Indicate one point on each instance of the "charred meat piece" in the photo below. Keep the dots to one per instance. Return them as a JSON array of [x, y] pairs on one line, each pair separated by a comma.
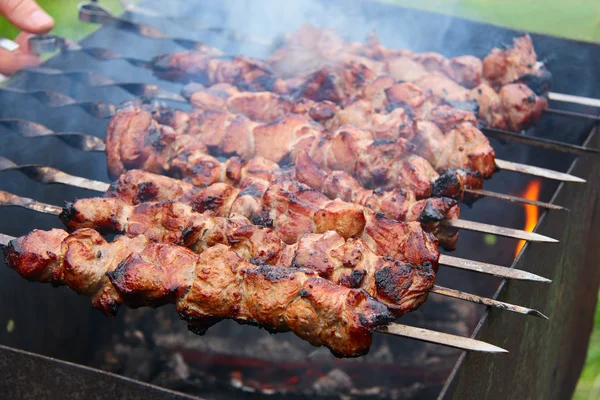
[[217, 284]]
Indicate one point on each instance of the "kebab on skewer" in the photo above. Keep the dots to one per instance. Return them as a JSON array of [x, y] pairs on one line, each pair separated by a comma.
[[291, 217], [445, 136], [315, 47], [345, 81], [137, 140], [206, 288]]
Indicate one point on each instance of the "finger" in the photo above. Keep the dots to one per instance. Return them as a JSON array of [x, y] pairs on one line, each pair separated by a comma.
[[12, 61], [26, 15]]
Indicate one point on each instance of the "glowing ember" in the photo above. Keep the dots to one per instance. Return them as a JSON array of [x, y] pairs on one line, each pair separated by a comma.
[[532, 192]]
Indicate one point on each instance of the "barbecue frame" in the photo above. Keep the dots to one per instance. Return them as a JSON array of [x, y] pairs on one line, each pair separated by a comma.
[[550, 369]]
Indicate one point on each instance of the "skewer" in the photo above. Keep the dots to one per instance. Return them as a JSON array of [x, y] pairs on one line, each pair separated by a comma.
[[572, 114], [426, 335], [540, 142], [44, 43], [9, 199], [537, 171], [94, 13], [44, 174], [567, 98], [97, 81], [490, 269], [102, 110], [457, 294], [515, 199], [444, 339], [58, 100], [30, 129], [498, 230]]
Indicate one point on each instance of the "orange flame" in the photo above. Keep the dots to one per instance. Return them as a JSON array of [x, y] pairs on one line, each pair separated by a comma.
[[532, 192]]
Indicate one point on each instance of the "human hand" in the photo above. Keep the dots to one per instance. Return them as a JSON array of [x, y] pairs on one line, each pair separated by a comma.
[[31, 19]]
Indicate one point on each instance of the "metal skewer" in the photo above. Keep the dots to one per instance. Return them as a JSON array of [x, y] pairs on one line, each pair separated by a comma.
[[498, 230], [539, 142], [422, 334], [94, 13], [9, 199], [572, 114], [444, 339], [45, 174], [30, 129], [54, 99], [97, 81], [490, 269], [537, 171], [567, 98], [515, 199], [486, 301]]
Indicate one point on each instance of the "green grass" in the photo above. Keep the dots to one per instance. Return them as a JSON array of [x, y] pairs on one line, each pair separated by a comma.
[[65, 14], [589, 383], [575, 19]]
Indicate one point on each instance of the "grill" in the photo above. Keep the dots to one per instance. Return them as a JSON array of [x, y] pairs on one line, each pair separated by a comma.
[[140, 347]]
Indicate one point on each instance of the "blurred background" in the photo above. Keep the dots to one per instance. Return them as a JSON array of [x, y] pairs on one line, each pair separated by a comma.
[[574, 19]]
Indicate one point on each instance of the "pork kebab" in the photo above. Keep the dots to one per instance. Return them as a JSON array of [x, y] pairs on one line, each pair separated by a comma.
[[346, 80], [289, 207], [444, 136], [206, 288], [137, 139]]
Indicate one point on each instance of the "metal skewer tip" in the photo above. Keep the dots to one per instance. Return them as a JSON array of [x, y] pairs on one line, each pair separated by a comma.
[[567, 98], [491, 269], [544, 143], [572, 114], [444, 339], [515, 199], [537, 171], [457, 294], [5, 239], [498, 230]]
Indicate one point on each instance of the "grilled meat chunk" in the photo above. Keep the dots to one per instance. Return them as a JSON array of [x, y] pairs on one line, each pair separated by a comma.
[[514, 63], [206, 288], [521, 106]]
